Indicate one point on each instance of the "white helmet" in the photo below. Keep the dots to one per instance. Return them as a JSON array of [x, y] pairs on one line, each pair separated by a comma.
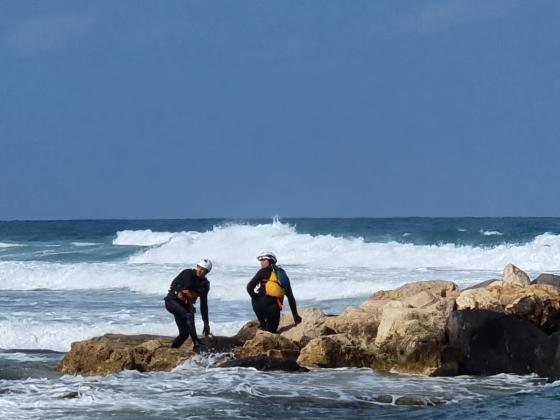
[[267, 255], [205, 263]]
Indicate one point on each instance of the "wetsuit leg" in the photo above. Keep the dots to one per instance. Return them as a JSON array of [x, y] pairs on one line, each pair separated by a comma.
[[273, 318], [184, 320], [267, 312], [272, 314], [257, 308]]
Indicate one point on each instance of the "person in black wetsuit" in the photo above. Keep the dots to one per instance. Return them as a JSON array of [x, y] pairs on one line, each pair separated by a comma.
[[267, 301], [183, 292]]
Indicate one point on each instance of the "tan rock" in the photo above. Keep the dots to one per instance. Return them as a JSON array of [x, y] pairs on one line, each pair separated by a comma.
[[313, 325], [361, 322], [514, 275], [402, 329], [334, 351], [112, 353], [481, 298], [411, 339], [269, 344], [534, 303], [440, 288], [248, 331]]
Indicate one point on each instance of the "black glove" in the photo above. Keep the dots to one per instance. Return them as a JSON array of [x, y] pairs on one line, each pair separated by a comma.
[[297, 319], [206, 329]]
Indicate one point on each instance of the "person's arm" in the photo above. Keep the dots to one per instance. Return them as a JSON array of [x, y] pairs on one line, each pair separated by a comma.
[[253, 283], [204, 304], [292, 302]]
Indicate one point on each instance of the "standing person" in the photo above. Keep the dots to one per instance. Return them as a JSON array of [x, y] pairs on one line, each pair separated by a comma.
[[183, 293], [273, 284]]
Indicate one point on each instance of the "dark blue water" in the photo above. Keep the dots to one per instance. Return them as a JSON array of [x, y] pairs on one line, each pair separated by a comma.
[[415, 230]]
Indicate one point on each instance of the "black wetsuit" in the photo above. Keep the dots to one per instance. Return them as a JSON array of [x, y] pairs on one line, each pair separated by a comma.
[[266, 307], [184, 315]]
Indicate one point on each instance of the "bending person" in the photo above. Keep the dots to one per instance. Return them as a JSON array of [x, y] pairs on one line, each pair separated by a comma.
[[267, 290], [181, 298]]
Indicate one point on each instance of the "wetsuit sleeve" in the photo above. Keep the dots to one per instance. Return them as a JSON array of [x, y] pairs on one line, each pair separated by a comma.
[[291, 299], [204, 304], [254, 281], [177, 282]]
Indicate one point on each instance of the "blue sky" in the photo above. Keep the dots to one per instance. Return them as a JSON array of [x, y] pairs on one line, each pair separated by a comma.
[[172, 109]]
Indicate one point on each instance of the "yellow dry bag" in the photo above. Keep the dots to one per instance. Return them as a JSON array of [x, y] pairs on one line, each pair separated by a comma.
[[273, 287]]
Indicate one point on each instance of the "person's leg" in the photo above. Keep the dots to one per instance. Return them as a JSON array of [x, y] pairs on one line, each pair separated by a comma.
[[271, 315], [184, 320], [273, 319], [189, 321], [183, 332], [257, 303]]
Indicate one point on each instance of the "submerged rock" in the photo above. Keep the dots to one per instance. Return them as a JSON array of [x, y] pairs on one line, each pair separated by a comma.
[[384, 399], [70, 395], [264, 363]]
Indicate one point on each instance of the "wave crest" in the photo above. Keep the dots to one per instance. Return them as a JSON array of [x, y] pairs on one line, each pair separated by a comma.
[[238, 245]]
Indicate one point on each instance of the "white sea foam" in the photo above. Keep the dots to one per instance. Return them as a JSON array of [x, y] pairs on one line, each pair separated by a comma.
[[237, 245], [227, 282], [28, 332], [317, 264], [6, 245], [141, 237], [85, 243], [491, 233], [31, 275]]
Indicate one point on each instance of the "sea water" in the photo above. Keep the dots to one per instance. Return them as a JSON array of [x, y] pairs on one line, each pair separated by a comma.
[[63, 281]]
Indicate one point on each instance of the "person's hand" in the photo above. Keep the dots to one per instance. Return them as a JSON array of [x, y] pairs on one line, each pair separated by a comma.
[[297, 319], [206, 329]]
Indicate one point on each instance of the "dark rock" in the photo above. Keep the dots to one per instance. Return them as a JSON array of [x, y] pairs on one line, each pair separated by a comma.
[[435, 401], [70, 395], [410, 400], [546, 278], [384, 398], [264, 363], [482, 284], [483, 342], [248, 331], [220, 344]]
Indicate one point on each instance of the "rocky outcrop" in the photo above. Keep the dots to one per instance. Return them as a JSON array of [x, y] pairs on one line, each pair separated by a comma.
[[426, 327], [113, 353]]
